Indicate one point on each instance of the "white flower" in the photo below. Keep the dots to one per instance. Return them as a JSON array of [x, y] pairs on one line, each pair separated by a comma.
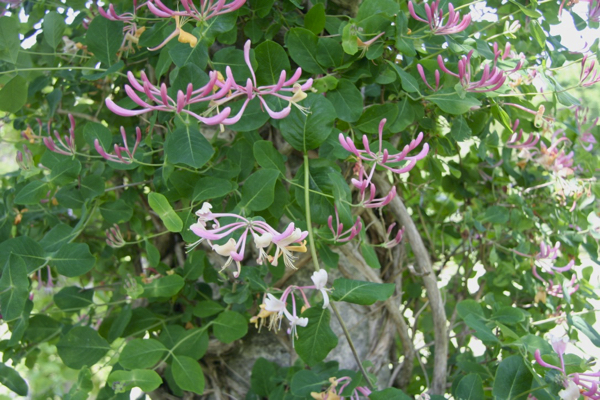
[[319, 278], [285, 248], [273, 304], [571, 392], [261, 242], [226, 250], [295, 321]]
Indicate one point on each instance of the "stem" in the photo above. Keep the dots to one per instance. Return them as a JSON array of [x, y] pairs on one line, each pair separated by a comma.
[[313, 253]]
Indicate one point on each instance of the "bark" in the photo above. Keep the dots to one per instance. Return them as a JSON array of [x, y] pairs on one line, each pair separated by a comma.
[[423, 261]]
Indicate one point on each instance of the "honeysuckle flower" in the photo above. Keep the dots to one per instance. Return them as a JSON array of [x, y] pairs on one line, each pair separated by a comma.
[[294, 321], [291, 240], [319, 278], [68, 146], [208, 9], [555, 160], [363, 183], [339, 235], [164, 102], [114, 238], [435, 18], [512, 142], [112, 14], [588, 76], [364, 46], [332, 393], [491, 79], [383, 157], [545, 258], [182, 36], [593, 10], [575, 384], [392, 242], [25, 159], [558, 289], [488, 165], [118, 157], [437, 78]]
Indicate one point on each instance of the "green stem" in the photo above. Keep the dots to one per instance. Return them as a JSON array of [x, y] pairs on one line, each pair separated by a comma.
[[313, 253]]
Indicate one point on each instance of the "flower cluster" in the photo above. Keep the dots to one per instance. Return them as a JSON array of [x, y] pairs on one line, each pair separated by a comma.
[[66, 147], [218, 91], [585, 129], [589, 76], [208, 9], [339, 235], [289, 241], [272, 310], [119, 150], [435, 18], [513, 141], [130, 30], [545, 260], [334, 393], [575, 384], [491, 78]]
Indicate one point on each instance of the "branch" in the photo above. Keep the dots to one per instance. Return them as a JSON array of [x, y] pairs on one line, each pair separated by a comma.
[[430, 280]]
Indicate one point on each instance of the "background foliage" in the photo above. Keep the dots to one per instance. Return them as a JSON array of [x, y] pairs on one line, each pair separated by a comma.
[[98, 294]]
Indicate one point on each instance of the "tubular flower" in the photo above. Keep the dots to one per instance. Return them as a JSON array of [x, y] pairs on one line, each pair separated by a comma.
[[273, 309], [575, 384], [545, 259], [164, 102], [588, 76], [67, 147], [516, 137], [556, 160], [118, 158], [291, 240], [114, 238], [585, 130], [491, 78], [339, 235], [333, 393], [207, 10], [437, 78], [25, 159], [130, 30], [435, 18], [182, 36], [218, 91], [392, 242]]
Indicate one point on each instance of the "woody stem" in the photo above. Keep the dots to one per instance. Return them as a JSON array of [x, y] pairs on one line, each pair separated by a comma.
[[313, 253]]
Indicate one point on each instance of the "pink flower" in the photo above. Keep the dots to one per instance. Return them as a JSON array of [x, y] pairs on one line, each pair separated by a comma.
[[118, 158], [66, 147], [435, 18], [339, 235], [588, 76], [208, 9], [516, 137], [392, 242], [575, 384]]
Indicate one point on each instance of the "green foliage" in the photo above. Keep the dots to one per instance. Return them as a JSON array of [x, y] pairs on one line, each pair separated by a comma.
[[105, 288]]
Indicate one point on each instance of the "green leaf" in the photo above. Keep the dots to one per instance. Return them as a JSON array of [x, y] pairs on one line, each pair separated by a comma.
[[230, 326], [14, 288], [165, 212], [317, 339], [92, 186], [115, 212], [538, 33], [12, 380], [65, 172], [165, 286], [73, 298], [188, 374], [211, 188], [527, 11], [73, 259], [409, 83], [271, 59], [482, 331], [81, 389], [495, 215], [9, 39], [141, 353], [53, 27], [207, 308], [513, 379], [104, 39], [467, 307], [329, 52], [389, 394], [258, 191], [120, 323], [304, 382], [470, 388], [347, 101], [28, 249], [81, 346], [186, 145], [360, 292], [267, 156], [261, 380], [372, 116], [307, 132], [122, 381], [183, 54], [185, 342], [460, 129], [42, 328], [508, 315], [587, 329], [93, 131], [13, 95], [314, 20], [451, 103], [32, 193], [302, 47]]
